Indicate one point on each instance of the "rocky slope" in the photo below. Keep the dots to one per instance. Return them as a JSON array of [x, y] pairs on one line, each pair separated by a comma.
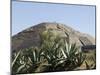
[[31, 36]]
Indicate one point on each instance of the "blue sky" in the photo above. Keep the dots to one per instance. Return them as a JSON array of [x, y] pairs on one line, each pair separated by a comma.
[[27, 14]]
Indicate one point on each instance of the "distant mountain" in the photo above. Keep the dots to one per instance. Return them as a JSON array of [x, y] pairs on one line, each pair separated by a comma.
[[31, 36]]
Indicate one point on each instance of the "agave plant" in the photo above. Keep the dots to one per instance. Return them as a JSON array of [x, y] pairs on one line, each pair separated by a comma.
[[72, 56], [26, 61], [61, 54], [50, 49], [54, 54]]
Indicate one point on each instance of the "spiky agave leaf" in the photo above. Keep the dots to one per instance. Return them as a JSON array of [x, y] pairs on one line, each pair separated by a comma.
[[14, 61]]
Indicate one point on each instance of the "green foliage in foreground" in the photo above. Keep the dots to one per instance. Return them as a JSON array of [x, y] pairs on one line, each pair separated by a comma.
[[55, 54]]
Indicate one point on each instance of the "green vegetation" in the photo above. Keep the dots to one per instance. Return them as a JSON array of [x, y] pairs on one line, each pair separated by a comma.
[[54, 54]]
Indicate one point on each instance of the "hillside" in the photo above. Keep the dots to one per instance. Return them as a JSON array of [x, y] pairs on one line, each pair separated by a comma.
[[31, 36]]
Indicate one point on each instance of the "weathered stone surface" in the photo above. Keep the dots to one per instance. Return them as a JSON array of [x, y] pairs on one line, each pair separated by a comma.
[[31, 36]]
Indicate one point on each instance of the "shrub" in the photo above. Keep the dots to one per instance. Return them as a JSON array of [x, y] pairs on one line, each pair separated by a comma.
[[55, 54]]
